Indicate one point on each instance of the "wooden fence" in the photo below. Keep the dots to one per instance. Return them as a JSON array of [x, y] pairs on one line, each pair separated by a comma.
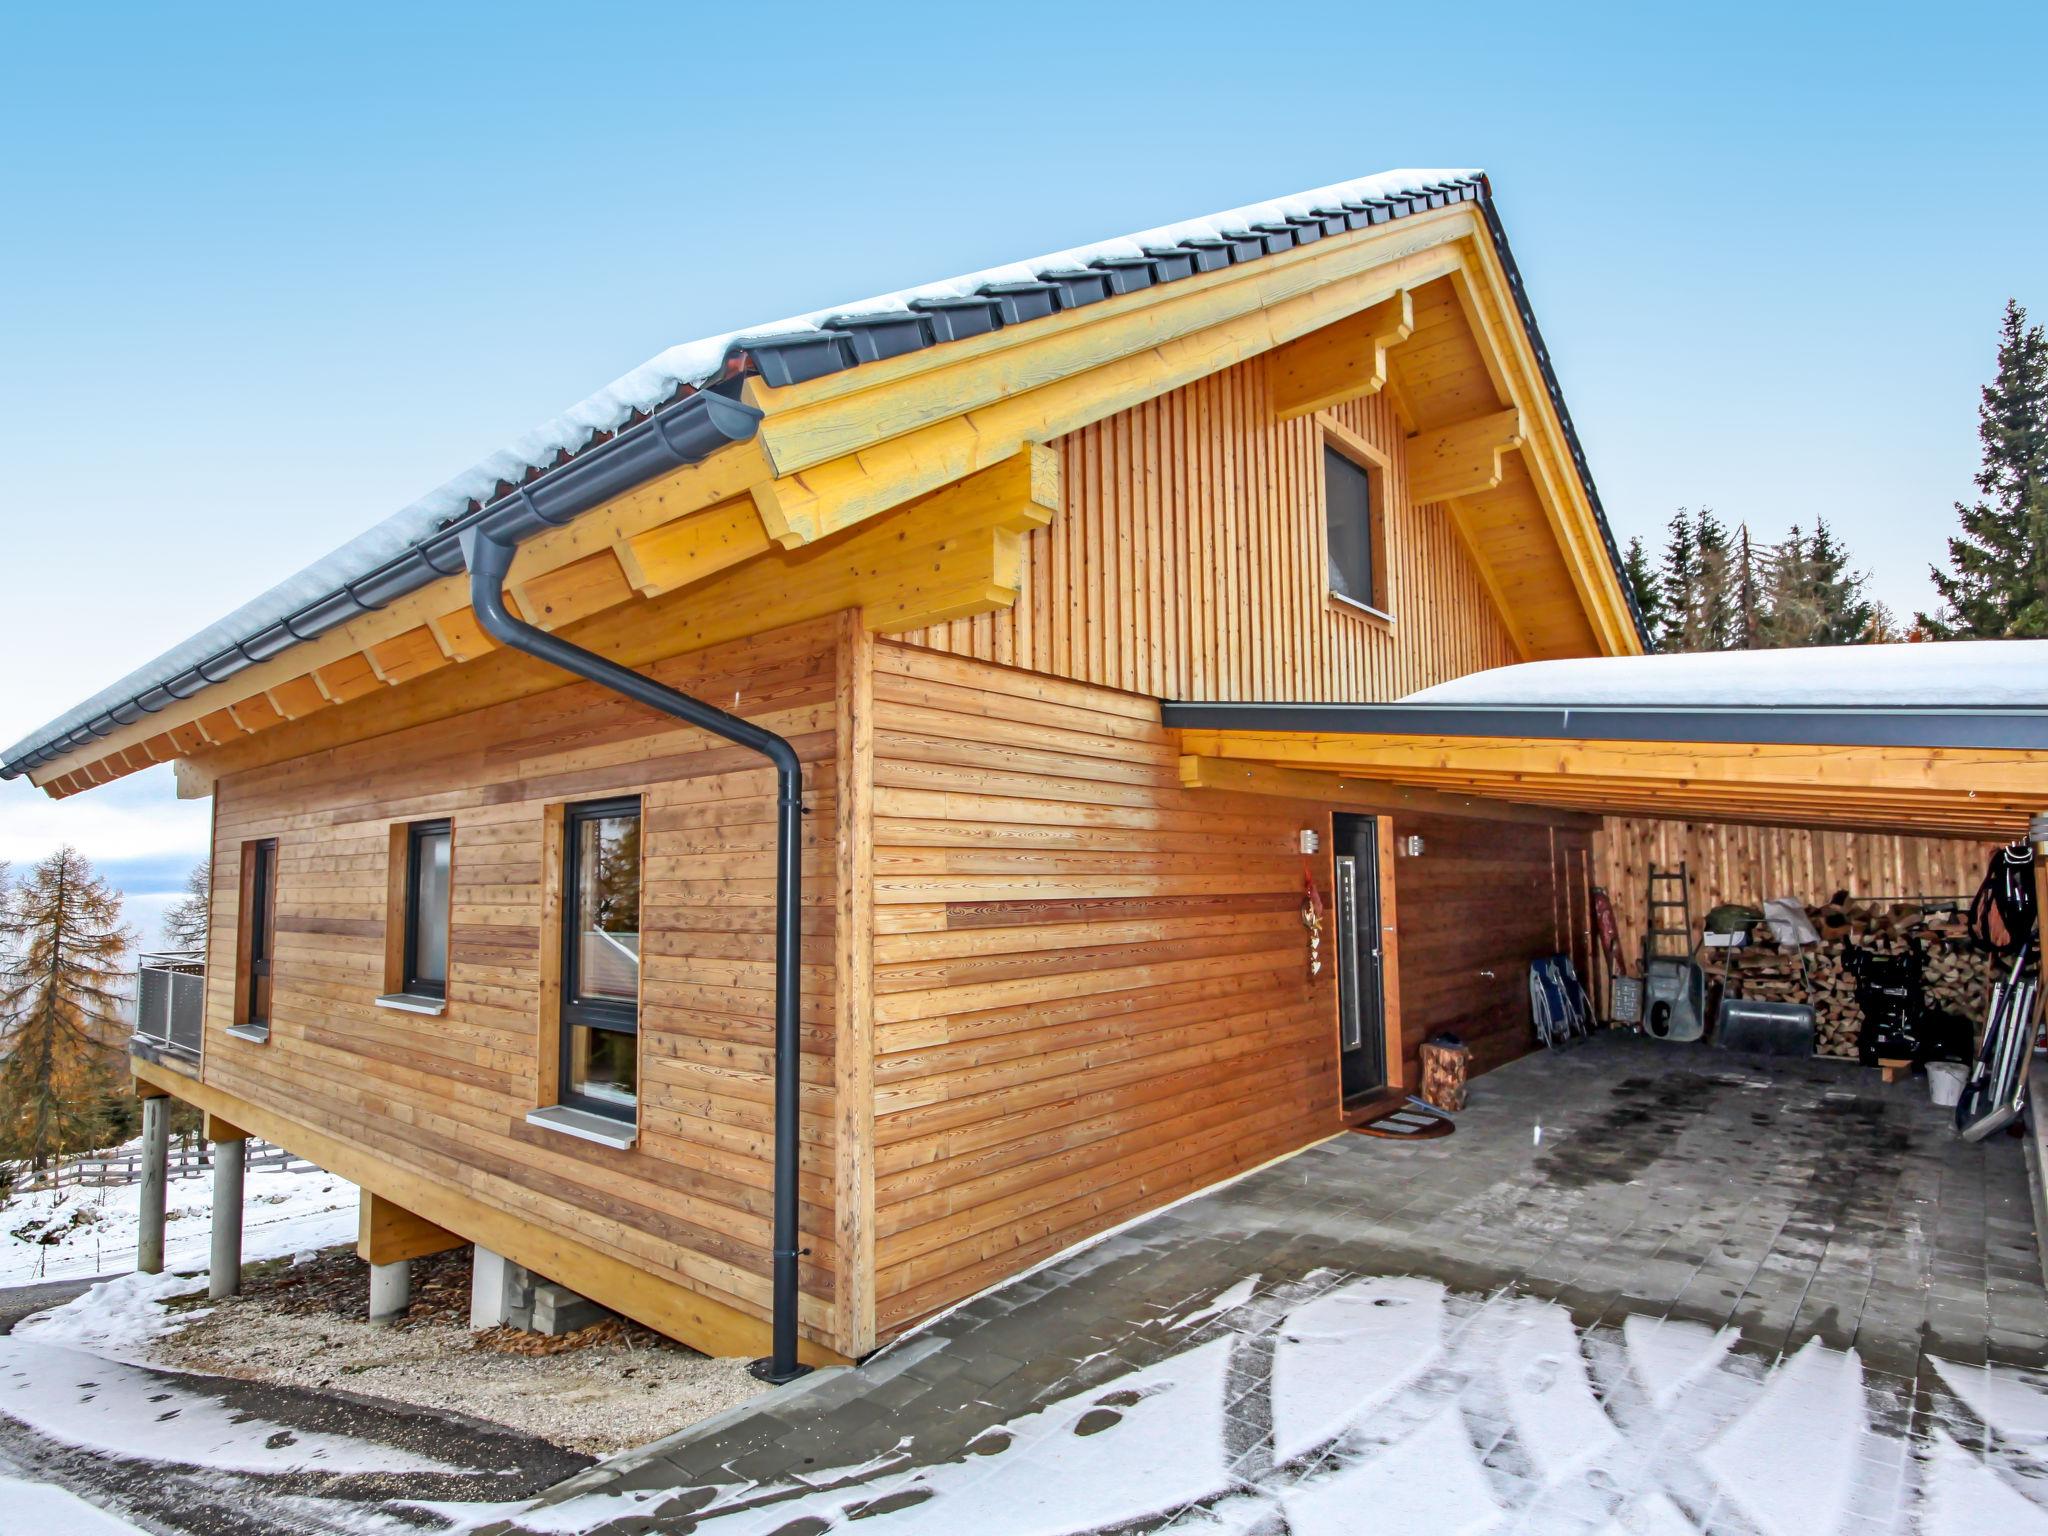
[[187, 1158], [1750, 864]]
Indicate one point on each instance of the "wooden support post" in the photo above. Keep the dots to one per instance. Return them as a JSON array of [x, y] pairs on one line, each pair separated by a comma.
[[156, 1149], [224, 1273], [388, 1233]]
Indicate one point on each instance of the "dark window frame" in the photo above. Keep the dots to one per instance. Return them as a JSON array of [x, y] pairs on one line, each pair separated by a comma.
[[591, 1013], [411, 983], [1373, 475], [259, 964]]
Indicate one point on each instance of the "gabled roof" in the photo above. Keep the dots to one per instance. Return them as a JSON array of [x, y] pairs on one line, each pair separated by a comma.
[[682, 406]]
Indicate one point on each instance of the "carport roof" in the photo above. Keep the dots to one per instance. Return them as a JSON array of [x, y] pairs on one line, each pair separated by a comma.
[[1947, 739]]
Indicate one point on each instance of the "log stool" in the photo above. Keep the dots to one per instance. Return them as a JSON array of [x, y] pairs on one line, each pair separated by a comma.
[[1443, 1074]]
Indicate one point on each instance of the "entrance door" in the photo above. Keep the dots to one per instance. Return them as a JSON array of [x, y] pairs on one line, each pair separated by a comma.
[[1361, 1015]]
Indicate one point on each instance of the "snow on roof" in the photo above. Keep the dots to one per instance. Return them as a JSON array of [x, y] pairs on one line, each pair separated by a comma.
[[654, 383], [1941, 675]]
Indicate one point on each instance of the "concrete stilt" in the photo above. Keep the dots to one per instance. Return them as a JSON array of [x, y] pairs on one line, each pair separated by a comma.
[[156, 1152], [224, 1275], [390, 1290], [488, 1276]]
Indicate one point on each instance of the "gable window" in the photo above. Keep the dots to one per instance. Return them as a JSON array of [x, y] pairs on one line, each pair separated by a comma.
[[256, 940], [1354, 520], [601, 957], [429, 846]]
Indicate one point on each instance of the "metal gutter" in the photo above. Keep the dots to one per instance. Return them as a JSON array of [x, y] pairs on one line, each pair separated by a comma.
[[1994, 729], [688, 431], [488, 553]]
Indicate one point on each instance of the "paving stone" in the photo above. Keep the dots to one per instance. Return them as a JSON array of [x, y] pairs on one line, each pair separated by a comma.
[[1799, 1200]]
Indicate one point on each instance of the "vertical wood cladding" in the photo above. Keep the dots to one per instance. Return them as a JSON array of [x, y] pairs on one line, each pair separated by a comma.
[[1483, 900], [1189, 563], [1753, 864], [448, 1096]]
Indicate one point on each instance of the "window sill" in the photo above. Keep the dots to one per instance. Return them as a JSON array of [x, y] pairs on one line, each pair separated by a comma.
[[585, 1126], [1363, 610], [411, 1002], [255, 1034]]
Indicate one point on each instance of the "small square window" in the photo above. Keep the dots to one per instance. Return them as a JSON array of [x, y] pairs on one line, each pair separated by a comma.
[[1352, 514], [601, 957]]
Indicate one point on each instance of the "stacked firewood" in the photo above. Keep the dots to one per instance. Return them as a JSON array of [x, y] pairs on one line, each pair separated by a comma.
[[1957, 975]]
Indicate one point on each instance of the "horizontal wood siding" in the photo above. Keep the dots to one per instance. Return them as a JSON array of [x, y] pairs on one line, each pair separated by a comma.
[[1091, 985], [1726, 863], [1482, 900], [448, 1096], [1189, 563]]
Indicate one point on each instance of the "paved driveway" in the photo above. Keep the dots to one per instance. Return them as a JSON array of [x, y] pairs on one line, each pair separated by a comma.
[[1645, 1288]]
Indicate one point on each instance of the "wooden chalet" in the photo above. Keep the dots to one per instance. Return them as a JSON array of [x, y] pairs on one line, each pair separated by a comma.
[[1015, 567]]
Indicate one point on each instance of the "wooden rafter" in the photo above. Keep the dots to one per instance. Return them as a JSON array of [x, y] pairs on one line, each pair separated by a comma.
[[1343, 361], [1463, 458]]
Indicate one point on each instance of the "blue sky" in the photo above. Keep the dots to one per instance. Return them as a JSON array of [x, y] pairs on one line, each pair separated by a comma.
[[272, 272]]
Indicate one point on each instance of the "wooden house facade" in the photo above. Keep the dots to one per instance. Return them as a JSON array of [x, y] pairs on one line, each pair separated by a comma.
[[499, 944]]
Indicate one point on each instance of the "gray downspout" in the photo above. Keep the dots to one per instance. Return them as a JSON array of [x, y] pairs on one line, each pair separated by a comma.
[[490, 559]]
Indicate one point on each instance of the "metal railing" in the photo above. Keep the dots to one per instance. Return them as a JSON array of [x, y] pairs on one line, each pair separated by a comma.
[[170, 999]]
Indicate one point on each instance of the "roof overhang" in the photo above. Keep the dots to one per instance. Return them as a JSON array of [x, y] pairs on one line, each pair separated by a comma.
[[965, 420], [1962, 773]]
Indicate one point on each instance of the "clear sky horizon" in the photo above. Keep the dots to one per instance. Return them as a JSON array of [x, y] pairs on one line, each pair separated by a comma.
[[272, 273]]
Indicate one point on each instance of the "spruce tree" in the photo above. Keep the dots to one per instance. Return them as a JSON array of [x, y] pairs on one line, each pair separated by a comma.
[[1842, 614], [1749, 613], [186, 919], [1714, 616], [1644, 588], [1678, 575], [60, 1006], [1997, 584]]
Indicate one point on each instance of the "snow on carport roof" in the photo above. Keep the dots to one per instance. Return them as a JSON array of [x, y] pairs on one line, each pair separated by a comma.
[[1943, 675]]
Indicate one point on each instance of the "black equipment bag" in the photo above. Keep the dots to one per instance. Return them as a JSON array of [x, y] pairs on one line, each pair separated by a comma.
[[1891, 993], [2002, 914]]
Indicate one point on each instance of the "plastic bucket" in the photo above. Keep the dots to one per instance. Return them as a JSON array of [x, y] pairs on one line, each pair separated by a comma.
[[1945, 1082]]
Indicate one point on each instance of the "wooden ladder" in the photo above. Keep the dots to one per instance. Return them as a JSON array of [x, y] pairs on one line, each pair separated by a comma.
[[1661, 941]]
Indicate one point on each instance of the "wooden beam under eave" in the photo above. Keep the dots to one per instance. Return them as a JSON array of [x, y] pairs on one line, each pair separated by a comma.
[[1461, 459], [693, 547], [1343, 361], [1198, 772]]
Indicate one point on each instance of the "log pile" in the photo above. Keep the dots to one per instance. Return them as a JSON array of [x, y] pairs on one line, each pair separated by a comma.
[[1957, 975]]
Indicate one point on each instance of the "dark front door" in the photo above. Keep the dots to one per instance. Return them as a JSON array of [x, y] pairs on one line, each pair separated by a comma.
[[1361, 1039]]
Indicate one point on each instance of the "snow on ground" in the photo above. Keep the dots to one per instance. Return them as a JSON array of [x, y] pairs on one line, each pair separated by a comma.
[[1297, 1407], [42, 1507], [79, 1230]]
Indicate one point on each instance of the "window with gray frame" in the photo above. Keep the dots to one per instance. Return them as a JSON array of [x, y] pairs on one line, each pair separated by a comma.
[[601, 957], [1349, 508], [428, 849]]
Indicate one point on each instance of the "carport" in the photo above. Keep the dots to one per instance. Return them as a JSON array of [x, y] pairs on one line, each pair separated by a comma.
[[1946, 740]]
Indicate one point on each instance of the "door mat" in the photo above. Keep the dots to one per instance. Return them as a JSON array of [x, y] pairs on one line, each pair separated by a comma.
[[1407, 1122]]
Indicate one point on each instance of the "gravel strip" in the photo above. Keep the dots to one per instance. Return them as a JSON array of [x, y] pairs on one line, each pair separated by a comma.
[[305, 1325]]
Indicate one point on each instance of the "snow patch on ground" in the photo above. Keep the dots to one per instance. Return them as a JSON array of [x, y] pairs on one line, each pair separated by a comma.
[[1668, 1356], [47, 1508], [1790, 1461], [68, 1395], [79, 1230], [1490, 1414]]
